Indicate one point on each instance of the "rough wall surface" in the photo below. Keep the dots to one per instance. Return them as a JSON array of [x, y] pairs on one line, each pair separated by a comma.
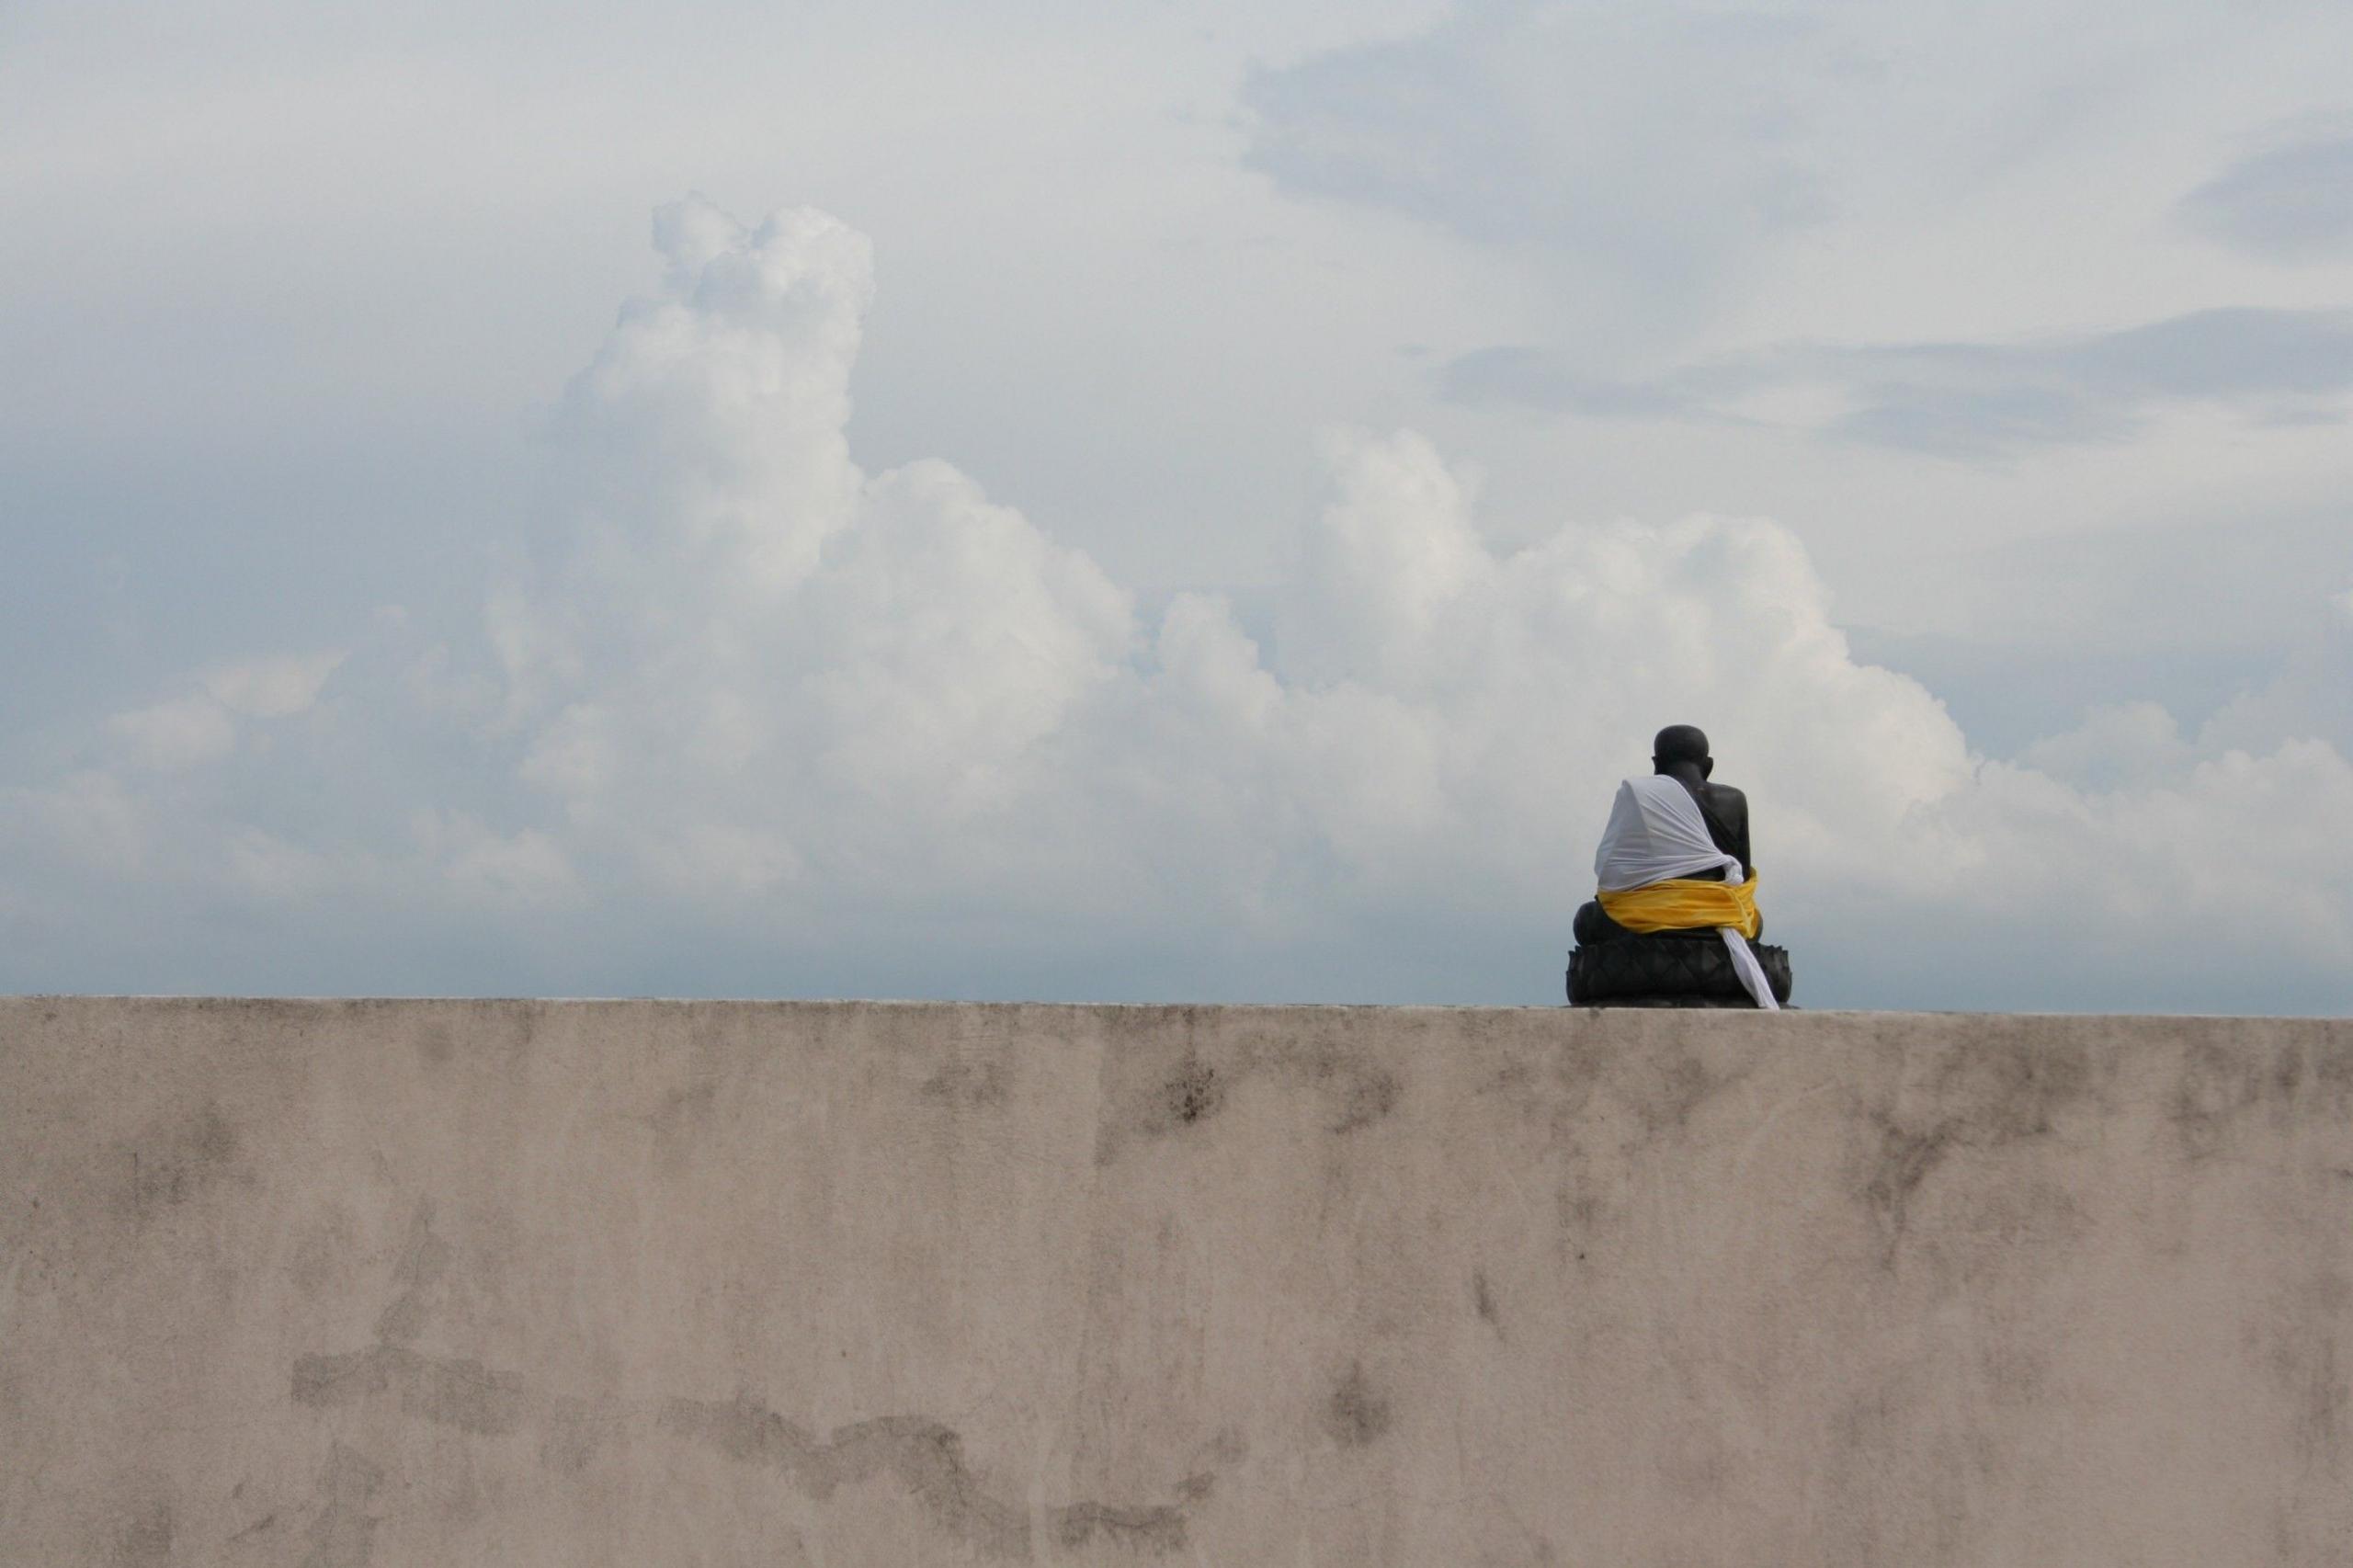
[[344, 1283]]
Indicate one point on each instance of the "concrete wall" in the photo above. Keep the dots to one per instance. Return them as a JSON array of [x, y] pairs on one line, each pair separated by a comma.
[[348, 1283]]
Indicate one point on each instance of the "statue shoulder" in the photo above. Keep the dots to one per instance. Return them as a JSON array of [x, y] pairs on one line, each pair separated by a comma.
[[1727, 813]]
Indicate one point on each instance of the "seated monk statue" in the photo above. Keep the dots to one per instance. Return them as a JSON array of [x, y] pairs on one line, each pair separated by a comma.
[[1674, 864], [1680, 752]]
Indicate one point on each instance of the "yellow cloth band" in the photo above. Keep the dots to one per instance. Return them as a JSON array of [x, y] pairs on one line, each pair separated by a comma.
[[1686, 904]]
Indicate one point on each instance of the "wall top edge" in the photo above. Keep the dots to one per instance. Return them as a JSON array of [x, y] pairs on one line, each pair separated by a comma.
[[1796, 1015]]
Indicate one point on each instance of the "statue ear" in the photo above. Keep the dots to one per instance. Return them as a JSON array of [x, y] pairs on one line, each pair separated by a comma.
[[1707, 768]]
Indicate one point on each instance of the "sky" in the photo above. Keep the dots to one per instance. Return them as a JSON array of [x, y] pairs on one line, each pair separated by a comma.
[[1176, 501]]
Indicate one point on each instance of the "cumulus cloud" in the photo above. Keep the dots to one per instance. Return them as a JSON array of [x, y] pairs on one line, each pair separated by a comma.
[[1656, 162], [91, 818], [755, 715], [2289, 203], [2310, 697], [180, 733], [1647, 149], [2127, 742], [273, 687], [1981, 400], [1973, 401], [201, 724]]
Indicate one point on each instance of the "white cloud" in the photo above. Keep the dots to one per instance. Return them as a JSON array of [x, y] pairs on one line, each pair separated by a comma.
[[180, 733], [1660, 163], [274, 687], [2236, 856], [524, 868], [201, 726], [1980, 401], [2129, 742], [269, 866], [2293, 202], [804, 710], [91, 817], [2310, 697]]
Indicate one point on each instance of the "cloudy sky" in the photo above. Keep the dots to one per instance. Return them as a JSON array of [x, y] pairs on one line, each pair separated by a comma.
[[1196, 501]]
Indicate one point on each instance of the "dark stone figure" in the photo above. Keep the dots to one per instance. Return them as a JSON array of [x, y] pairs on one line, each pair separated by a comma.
[[1617, 967], [1680, 752]]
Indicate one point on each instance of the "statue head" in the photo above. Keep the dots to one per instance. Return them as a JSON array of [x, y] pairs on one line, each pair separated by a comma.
[[1682, 744]]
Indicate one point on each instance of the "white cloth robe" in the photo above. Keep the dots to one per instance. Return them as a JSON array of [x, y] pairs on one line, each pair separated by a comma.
[[1655, 831]]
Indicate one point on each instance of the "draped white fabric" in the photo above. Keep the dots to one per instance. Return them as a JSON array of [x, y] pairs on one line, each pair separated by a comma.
[[1655, 831]]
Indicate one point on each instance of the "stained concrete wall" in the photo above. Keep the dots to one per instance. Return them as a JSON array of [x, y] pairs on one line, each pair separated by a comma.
[[348, 1283]]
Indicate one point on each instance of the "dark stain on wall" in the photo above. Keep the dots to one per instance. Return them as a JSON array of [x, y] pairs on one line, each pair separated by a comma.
[[1369, 1094], [145, 1540], [2013, 1374], [970, 1086], [924, 1457], [455, 1393], [172, 1163], [1886, 1442], [1157, 1093], [1695, 1461], [1356, 1412], [2298, 1345], [344, 1535], [2222, 1087], [1990, 1095], [1483, 1300], [448, 1392], [2332, 1080], [436, 1045], [260, 1526], [569, 1432], [1668, 1087], [1153, 1529], [424, 1260], [682, 1122], [1904, 1159], [1194, 1093], [320, 1252], [1189, 1095], [461, 1393], [1223, 1451], [2216, 1087]]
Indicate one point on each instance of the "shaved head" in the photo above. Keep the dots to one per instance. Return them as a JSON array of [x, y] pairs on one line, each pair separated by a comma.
[[1679, 743]]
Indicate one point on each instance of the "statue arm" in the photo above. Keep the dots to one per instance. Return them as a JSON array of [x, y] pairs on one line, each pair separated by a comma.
[[1736, 820], [1730, 811]]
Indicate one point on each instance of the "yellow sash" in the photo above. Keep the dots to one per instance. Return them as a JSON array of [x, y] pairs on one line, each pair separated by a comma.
[[1686, 904]]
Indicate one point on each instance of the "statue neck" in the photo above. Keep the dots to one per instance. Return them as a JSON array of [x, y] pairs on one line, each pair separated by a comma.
[[1687, 774]]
